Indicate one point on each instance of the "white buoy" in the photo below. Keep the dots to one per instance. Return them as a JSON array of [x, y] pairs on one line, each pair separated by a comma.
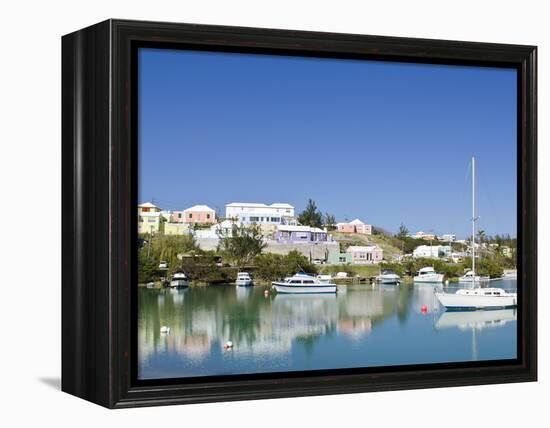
[[447, 282], [165, 330], [228, 345]]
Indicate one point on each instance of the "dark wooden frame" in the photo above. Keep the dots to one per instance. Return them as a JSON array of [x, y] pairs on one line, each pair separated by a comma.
[[99, 221]]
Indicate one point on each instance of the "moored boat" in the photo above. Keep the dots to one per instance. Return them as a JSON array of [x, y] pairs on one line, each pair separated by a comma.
[[471, 277], [476, 297], [303, 283], [243, 279], [428, 275], [179, 279], [388, 276]]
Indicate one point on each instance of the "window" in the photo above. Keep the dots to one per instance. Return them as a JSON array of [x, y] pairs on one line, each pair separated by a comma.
[[208, 216], [308, 281], [179, 215], [190, 215]]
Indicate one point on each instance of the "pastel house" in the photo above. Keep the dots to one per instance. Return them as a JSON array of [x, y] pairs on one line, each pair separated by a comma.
[[199, 214], [149, 218], [290, 234], [365, 255], [355, 226], [336, 258]]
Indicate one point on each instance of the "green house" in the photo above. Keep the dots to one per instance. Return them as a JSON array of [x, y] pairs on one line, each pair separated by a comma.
[[339, 258]]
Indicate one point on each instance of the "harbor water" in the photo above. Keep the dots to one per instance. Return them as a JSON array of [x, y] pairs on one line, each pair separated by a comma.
[[360, 326]]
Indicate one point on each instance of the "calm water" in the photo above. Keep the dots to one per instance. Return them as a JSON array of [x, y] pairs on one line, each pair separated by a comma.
[[361, 326]]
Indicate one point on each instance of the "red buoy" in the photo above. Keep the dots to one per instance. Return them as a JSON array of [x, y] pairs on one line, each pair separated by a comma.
[[423, 309]]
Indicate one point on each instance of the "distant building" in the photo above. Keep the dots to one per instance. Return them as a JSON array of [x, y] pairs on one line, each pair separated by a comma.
[[365, 255], [251, 212], [176, 228], [290, 234], [339, 258], [355, 226], [432, 251], [199, 214], [448, 237], [425, 236], [149, 218]]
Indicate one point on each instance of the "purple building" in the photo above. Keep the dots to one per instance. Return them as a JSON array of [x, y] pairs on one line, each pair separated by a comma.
[[287, 234]]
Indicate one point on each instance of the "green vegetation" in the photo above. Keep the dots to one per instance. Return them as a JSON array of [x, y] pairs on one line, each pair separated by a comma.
[[311, 216], [241, 244], [272, 266]]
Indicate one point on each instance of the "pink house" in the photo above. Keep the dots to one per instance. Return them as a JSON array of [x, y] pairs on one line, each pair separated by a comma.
[[196, 214], [355, 226]]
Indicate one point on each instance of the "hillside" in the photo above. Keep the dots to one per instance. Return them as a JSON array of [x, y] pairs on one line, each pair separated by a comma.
[[347, 239]]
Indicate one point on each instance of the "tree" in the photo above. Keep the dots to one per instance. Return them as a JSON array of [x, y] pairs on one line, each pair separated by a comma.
[[330, 221], [403, 232], [241, 244], [311, 216]]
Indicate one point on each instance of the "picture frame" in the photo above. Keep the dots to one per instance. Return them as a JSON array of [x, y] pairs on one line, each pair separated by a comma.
[[99, 225]]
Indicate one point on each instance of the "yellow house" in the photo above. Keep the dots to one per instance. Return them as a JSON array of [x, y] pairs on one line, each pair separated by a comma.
[[176, 228], [149, 218]]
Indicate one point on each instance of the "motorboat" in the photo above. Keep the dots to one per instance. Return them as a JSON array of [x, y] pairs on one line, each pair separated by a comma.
[[324, 278], [303, 283], [428, 275], [388, 276], [243, 279], [476, 297], [179, 279], [471, 277]]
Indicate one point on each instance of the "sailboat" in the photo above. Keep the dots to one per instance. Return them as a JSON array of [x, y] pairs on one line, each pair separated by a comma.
[[476, 297]]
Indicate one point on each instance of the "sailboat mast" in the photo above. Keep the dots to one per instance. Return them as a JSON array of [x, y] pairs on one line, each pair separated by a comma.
[[474, 218]]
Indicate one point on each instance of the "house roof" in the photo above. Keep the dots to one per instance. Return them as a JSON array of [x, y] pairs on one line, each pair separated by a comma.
[[147, 205], [291, 228], [200, 208], [281, 205], [258, 205], [356, 221]]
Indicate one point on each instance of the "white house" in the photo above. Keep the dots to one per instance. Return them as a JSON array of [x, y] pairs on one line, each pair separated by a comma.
[[249, 212], [448, 237], [432, 251]]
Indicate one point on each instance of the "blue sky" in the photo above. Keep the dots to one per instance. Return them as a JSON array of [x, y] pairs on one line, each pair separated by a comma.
[[389, 143]]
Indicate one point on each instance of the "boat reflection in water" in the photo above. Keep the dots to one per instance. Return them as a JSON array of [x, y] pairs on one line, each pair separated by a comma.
[[476, 321], [365, 326]]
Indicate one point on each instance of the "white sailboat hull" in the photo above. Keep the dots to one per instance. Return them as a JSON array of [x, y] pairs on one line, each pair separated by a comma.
[[285, 288], [474, 302]]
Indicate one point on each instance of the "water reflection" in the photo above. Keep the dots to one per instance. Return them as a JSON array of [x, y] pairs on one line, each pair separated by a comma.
[[280, 332]]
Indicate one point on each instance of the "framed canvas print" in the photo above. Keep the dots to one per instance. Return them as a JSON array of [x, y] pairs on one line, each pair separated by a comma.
[[253, 213]]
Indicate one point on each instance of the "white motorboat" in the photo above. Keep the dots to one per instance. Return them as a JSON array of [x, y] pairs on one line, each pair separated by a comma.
[[388, 276], [179, 279], [476, 297], [243, 279], [428, 275], [324, 278], [303, 283], [471, 277]]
